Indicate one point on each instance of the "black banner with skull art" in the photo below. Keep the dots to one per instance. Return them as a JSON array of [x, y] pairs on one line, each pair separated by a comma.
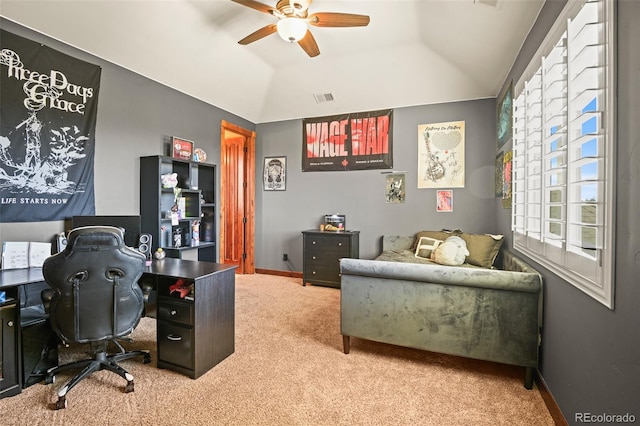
[[48, 110]]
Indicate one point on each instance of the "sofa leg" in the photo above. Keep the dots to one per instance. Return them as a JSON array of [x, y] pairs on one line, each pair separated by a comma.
[[528, 377], [345, 344]]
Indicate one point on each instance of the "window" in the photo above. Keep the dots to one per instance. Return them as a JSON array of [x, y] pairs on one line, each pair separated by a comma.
[[563, 150]]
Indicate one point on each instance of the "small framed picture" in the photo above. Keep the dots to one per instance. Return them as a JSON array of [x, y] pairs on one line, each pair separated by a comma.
[[444, 200], [275, 174], [181, 148]]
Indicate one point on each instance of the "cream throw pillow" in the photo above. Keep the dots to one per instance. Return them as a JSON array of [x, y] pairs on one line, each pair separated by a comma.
[[453, 251]]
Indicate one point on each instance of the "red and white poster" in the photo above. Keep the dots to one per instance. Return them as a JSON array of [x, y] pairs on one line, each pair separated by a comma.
[[355, 141]]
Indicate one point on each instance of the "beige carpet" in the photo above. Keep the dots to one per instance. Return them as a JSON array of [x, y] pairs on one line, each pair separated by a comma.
[[289, 369]]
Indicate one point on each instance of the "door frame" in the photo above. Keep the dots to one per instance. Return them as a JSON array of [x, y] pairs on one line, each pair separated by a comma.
[[249, 193]]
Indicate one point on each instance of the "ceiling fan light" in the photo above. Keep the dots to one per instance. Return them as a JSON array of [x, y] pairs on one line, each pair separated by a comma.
[[292, 29]]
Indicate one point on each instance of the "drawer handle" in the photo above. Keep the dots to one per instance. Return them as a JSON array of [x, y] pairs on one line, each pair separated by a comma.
[[314, 272], [174, 337], [313, 242], [339, 244], [10, 323], [313, 257], [173, 312]]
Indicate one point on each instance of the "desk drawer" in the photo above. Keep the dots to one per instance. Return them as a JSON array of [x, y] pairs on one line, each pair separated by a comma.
[[170, 310], [175, 344]]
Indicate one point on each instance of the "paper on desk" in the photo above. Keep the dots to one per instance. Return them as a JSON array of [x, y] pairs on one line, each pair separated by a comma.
[[15, 254], [24, 254], [38, 252]]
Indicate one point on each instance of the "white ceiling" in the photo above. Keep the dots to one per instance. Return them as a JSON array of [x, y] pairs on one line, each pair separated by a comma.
[[413, 52]]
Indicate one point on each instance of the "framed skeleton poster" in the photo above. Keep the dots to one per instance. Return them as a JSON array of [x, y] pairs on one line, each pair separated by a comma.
[[275, 174], [441, 155]]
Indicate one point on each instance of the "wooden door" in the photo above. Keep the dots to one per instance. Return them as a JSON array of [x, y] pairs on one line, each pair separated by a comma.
[[237, 195]]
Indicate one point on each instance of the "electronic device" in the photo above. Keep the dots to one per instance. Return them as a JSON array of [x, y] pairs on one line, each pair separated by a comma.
[[61, 242], [144, 245], [335, 222]]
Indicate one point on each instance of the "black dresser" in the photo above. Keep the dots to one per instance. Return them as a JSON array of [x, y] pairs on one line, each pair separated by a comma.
[[322, 253]]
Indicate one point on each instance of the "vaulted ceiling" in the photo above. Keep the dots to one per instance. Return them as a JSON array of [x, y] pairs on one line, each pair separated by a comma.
[[413, 52]]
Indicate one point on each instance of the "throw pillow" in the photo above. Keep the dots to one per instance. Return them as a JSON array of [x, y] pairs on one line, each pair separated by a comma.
[[426, 246], [483, 249], [452, 252], [436, 235]]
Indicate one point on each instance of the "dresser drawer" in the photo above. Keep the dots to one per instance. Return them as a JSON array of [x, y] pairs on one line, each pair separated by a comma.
[[170, 310], [175, 344], [325, 243]]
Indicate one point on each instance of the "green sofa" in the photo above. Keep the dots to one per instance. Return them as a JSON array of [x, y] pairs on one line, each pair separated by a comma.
[[492, 314]]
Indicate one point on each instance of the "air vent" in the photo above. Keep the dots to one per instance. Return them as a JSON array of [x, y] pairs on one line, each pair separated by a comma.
[[324, 97], [490, 3]]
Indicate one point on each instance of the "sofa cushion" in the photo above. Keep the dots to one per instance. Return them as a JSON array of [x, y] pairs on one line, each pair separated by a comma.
[[426, 246], [452, 251], [483, 248], [436, 235]]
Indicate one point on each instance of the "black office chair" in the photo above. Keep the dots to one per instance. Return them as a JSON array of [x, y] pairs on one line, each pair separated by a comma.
[[95, 298]]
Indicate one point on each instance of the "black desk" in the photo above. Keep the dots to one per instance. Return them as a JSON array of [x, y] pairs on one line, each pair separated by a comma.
[[193, 335]]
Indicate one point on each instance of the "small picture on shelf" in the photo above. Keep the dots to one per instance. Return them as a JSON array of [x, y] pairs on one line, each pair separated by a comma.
[[181, 148]]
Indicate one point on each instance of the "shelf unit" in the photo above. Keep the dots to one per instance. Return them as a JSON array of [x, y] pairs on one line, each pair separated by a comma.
[[198, 187]]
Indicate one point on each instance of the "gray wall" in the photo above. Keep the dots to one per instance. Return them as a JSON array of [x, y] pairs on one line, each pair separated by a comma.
[[590, 358], [590, 354], [360, 195], [136, 117]]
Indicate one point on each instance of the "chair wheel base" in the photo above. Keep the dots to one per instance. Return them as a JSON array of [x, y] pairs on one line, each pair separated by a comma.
[[129, 387], [60, 404]]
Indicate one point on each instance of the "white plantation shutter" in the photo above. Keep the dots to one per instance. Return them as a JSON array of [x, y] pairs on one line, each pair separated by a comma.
[[563, 150]]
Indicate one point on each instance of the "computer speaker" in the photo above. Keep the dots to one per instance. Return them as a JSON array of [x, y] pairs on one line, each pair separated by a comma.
[[61, 242], [144, 245]]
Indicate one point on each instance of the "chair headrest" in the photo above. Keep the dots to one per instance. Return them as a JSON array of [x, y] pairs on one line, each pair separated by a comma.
[[95, 236]]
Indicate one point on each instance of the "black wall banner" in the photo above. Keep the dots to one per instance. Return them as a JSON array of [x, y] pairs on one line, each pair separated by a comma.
[[48, 110], [356, 141]]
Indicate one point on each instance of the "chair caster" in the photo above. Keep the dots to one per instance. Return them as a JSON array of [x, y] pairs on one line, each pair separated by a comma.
[[49, 379], [129, 387], [146, 359], [61, 403]]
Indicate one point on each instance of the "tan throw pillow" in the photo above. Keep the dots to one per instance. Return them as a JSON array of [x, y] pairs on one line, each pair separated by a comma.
[[483, 248], [426, 246], [452, 252], [436, 235]]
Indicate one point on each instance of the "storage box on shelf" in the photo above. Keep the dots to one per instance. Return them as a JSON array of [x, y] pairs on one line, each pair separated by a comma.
[[194, 235]]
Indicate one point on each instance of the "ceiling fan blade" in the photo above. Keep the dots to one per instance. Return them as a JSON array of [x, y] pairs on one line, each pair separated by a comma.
[[329, 19], [261, 33], [257, 6], [309, 45]]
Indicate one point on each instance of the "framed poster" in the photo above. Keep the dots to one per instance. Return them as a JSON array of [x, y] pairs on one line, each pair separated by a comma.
[[181, 148], [395, 188], [506, 179], [441, 155], [504, 113], [444, 199], [275, 174], [499, 174]]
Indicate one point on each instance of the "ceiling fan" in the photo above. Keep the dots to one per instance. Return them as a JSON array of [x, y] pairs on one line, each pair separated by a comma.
[[293, 20]]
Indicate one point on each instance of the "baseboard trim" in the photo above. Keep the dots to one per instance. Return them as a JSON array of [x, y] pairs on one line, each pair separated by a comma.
[[550, 401], [280, 273]]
